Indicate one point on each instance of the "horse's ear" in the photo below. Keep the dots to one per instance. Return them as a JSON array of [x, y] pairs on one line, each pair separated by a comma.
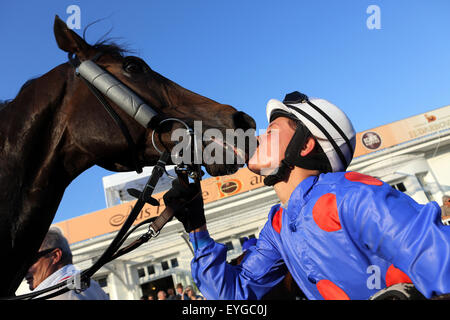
[[68, 40]]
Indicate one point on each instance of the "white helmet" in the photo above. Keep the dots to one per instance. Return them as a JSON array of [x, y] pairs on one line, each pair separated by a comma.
[[330, 126]]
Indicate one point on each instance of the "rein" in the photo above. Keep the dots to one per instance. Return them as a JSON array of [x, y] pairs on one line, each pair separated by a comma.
[[148, 118]]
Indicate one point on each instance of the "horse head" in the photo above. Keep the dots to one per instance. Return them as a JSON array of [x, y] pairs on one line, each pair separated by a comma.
[[102, 142]]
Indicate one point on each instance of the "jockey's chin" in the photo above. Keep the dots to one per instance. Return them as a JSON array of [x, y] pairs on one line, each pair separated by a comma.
[[262, 167]]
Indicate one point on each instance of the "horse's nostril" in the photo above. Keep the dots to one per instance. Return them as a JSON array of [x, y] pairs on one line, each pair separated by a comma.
[[243, 121]]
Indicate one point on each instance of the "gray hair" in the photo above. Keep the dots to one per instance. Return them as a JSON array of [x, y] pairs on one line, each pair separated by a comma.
[[55, 239]]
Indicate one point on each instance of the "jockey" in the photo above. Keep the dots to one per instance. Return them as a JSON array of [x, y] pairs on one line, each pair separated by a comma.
[[342, 235]]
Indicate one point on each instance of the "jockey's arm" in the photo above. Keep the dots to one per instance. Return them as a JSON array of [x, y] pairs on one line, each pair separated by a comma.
[[261, 269]]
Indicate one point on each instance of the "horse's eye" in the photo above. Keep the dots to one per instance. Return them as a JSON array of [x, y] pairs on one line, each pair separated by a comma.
[[132, 67]]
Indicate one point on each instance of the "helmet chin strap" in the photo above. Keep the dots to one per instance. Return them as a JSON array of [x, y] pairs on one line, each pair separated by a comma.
[[292, 158], [280, 174]]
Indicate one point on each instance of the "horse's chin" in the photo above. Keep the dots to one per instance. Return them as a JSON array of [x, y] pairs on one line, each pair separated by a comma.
[[221, 169]]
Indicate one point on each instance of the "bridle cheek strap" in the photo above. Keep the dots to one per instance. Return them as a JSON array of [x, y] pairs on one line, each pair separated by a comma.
[[125, 132], [117, 92], [102, 84]]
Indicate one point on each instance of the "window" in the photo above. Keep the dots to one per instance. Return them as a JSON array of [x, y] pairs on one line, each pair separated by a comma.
[[229, 245], [102, 282], [151, 269], [164, 265], [141, 272], [399, 186], [174, 262]]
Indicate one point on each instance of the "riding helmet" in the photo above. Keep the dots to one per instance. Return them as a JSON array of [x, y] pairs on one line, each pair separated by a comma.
[[319, 118]]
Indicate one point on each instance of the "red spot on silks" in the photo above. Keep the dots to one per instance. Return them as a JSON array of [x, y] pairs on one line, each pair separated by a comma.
[[276, 221], [394, 276], [359, 177], [325, 213], [329, 291]]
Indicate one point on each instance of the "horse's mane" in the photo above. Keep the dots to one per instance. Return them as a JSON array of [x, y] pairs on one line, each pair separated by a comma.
[[4, 103]]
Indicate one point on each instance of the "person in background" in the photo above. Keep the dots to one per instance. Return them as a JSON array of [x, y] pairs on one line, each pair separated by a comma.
[[180, 294], [171, 294], [191, 295], [53, 265], [162, 295]]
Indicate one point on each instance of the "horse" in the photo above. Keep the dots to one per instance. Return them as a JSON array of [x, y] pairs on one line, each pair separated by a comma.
[[55, 128]]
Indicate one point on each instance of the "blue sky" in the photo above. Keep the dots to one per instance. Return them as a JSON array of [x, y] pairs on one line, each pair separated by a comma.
[[245, 52]]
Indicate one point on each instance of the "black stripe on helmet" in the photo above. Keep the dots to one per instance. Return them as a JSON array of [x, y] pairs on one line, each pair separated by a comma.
[[325, 132], [338, 129]]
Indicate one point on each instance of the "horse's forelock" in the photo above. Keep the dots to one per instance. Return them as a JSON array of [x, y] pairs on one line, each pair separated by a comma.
[[106, 45], [109, 47]]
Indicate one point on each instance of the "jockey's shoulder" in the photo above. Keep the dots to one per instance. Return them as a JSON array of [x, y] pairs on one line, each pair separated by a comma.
[[348, 179]]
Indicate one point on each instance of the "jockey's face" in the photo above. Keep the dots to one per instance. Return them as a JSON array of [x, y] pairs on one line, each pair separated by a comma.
[[271, 147]]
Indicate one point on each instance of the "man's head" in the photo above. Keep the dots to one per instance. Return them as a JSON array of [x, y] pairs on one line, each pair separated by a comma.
[[179, 288], [312, 134], [53, 254], [161, 295]]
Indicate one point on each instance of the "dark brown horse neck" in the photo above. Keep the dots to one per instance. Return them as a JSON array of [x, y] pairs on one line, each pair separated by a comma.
[[33, 174]]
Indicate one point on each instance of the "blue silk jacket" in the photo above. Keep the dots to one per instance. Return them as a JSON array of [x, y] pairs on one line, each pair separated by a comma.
[[342, 235]]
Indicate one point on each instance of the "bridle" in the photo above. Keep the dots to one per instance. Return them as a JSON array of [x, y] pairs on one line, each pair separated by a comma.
[[91, 73], [102, 84]]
